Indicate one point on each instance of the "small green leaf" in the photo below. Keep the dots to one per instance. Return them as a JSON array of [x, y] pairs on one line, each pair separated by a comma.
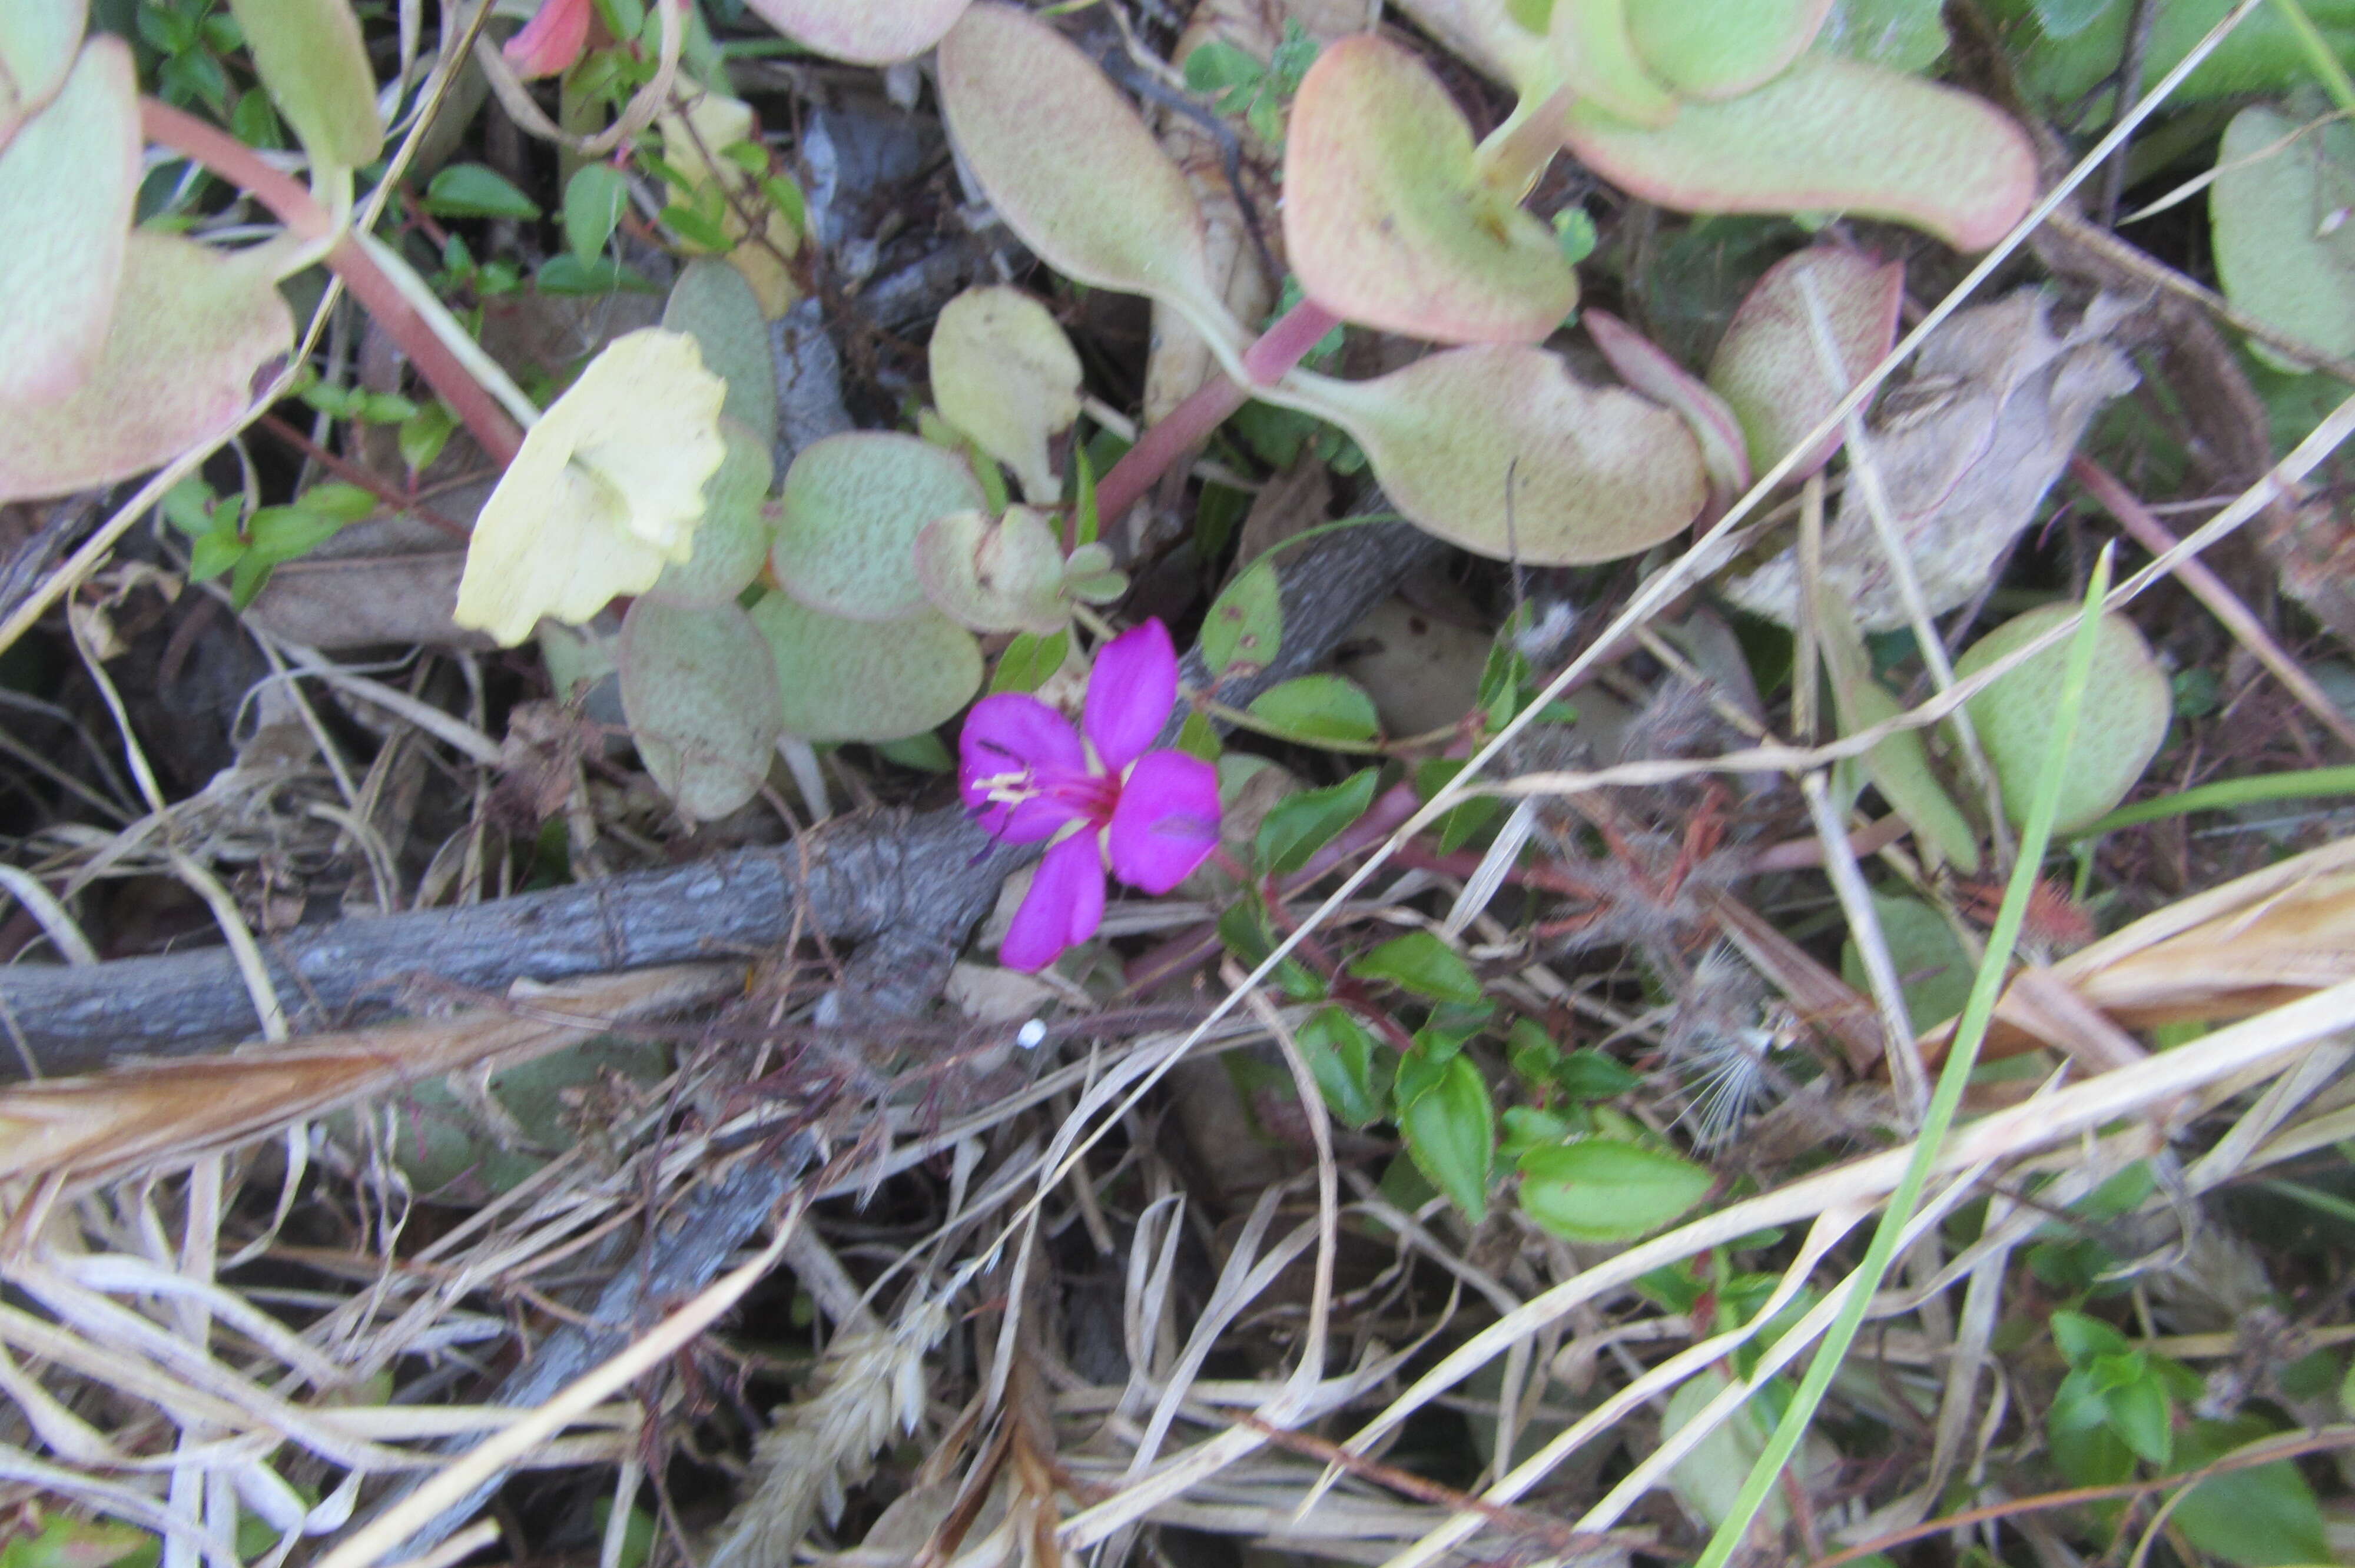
[[1528, 1128], [1450, 1131], [1573, 232], [1592, 1076], [188, 506], [2257, 1518], [284, 532], [1244, 629], [594, 200], [1600, 1190], [1302, 824], [1316, 708], [927, 753], [1217, 66], [423, 435], [2082, 1338], [1029, 661], [312, 57], [1422, 963], [2141, 1414], [475, 190], [213, 553], [1340, 1053]]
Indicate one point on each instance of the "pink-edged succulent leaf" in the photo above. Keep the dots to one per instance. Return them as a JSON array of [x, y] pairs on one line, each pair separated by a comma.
[[1643, 364], [192, 328], [1718, 49], [1069, 166], [1501, 449], [37, 43], [65, 186], [1770, 367], [865, 680], [1596, 55], [864, 32], [1827, 134], [315, 63], [700, 689], [1386, 221], [1001, 576], [550, 41], [848, 516]]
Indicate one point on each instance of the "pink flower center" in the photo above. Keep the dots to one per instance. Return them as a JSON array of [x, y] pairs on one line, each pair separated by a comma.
[[1093, 796]]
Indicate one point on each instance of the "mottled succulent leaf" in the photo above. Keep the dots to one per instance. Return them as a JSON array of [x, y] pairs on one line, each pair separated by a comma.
[[315, 63], [38, 39], [1600, 1190], [1386, 221], [863, 31], [192, 328], [713, 305], [732, 540], [2128, 705], [700, 689], [1903, 35], [863, 680], [1596, 54], [1828, 133], [1004, 374], [849, 517], [1069, 166], [1643, 366], [1718, 49], [2282, 256], [1501, 449], [995, 576], [1769, 367], [66, 182]]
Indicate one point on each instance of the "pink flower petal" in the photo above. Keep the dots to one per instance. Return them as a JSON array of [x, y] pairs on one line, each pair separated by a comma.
[[1166, 823], [1064, 906], [1130, 693], [1015, 744], [551, 40]]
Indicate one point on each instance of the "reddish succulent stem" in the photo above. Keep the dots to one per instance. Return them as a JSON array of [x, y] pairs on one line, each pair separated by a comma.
[[233, 161], [1190, 424]]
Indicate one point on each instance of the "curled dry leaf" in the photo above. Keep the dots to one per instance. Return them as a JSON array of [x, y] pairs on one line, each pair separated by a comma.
[[1828, 133], [1769, 367], [849, 517], [1388, 223], [38, 39], [1722, 48], [863, 680], [192, 328], [1004, 374], [2128, 705], [314, 64], [1964, 452], [2280, 254], [607, 488], [864, 32], [1069, 166], [1001, 576], [67, 180], [1501, 449], [700, 689]]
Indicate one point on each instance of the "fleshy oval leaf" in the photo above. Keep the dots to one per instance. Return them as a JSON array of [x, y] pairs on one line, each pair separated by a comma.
[[1645, 366], [2119, 728], [1386, 221], [863, 31], [192, 328], [1718, 49], [39, 40], [1769, 367], [733, 538], [1501, 449], [1004, 374], [713, 305], [700, 689], [1601, 1190], [849, 517], [1828, 134], [2279, 256], [314, 64], [1068, 165], [1001, 576], [861, 680], [66, 182], [1596, 55]]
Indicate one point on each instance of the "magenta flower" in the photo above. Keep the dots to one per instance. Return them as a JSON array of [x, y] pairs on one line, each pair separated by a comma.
[[551, 40], [1026, 775]]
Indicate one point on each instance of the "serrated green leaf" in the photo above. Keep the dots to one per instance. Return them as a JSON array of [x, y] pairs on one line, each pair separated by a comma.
[[2259, 1517], [1244, 629], [477, 190], [594, 200], [1451, 1130], [1030, 660], [1340, 1053], [1600, 1190], [1313, 709], [1422, 963], [1302, 824]]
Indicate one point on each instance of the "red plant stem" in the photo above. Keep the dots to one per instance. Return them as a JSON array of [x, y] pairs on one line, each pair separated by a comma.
[[352, 473], [233, 160], [1190, 424], [2210, 589]]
